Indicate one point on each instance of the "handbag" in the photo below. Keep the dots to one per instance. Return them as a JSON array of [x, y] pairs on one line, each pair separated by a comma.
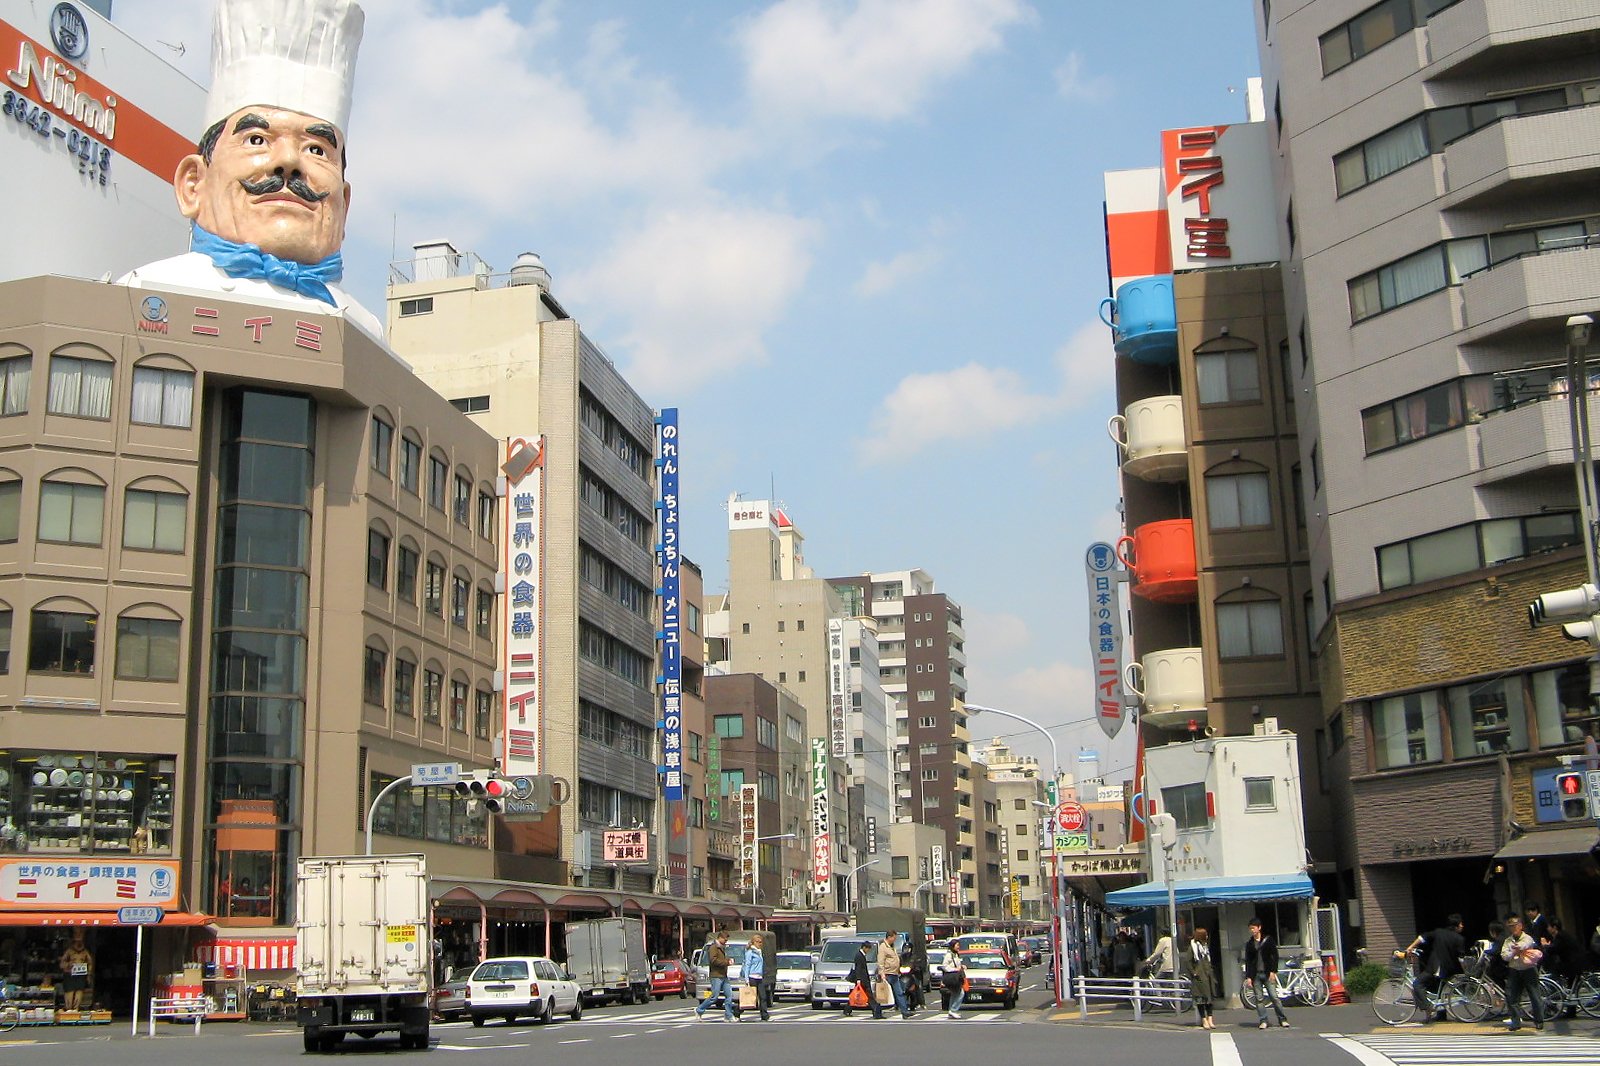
[[858, 996], [885, 993], [747, 996]]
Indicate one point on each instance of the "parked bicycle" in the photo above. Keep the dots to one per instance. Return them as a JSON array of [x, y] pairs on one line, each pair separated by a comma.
[[1299, 977]]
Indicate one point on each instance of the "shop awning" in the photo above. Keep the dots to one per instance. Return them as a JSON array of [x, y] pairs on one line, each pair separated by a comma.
[[171, 918], [1573, 840], [249, 953], [1199, 890]]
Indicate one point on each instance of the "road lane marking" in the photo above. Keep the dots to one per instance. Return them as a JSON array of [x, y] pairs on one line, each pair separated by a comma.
[[1224, 1052], [1358, 1051]]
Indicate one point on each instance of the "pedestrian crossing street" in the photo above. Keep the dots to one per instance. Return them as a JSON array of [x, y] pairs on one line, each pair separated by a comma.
[[1426, 1049]]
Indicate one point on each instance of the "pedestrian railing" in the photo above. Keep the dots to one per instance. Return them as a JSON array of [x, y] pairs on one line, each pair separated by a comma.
[[181, 1008], [1145, 993]]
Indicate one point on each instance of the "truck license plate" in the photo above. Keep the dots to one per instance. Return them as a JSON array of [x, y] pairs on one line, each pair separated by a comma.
[[362, 1014]]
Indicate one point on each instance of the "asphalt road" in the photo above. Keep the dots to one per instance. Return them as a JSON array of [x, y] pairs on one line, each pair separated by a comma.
[[667, 1034]]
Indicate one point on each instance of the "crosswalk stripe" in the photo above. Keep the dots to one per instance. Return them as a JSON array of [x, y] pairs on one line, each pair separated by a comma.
[[1447, 1050]]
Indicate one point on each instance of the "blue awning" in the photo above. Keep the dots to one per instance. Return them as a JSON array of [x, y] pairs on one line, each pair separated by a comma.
[[1198, 890]]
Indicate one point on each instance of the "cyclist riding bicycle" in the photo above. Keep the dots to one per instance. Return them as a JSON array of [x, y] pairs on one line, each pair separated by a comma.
[[1446, 945]]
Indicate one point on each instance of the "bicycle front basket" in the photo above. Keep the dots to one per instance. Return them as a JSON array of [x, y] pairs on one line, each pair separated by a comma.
[[1397, 967]]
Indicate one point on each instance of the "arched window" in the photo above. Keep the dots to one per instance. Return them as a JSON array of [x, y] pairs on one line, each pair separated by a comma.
[[149, 644], [1249, 625], [1227, 370], [61, 638], [72, 506]]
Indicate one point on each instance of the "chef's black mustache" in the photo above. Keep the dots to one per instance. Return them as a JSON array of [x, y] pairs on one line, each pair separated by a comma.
[[276, 183]]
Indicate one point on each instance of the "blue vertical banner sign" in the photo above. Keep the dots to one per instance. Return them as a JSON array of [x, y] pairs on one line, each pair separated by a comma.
[[1105, 636], [671, 609]]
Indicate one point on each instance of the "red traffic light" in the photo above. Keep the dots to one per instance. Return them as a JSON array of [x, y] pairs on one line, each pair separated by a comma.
[[495, 788], [1569, 784]]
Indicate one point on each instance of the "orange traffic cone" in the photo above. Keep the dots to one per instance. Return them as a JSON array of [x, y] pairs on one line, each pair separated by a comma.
[[1330, 971]]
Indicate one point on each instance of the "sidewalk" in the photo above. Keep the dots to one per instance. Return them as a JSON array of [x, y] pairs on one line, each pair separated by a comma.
[[1347, 1019]]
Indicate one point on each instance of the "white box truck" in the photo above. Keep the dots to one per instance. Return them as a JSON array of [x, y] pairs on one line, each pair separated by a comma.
[[606, 957], [362, 942]]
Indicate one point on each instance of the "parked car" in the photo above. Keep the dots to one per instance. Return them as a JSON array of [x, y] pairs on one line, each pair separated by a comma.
[[450, 995], [522, 985], [793, 977], [669, 977], [991, 978]]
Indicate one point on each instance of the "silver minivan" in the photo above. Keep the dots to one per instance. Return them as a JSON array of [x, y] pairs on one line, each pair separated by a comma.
[[830, 980]]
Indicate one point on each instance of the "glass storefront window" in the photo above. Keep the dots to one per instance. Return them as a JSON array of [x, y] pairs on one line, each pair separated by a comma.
[[78, 801], [428, 814]]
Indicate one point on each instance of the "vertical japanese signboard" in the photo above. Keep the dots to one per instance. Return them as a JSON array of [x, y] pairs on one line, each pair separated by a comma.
[[671, 611], [522, 626], [1105, 636], [748, 831], [936, 865], [713, 779], [838, 689], [821, 840]]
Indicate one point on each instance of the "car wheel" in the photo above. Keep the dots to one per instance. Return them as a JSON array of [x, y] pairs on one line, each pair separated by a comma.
[[478, 1020], [683, 993], [577, 1009], [547, 1011]]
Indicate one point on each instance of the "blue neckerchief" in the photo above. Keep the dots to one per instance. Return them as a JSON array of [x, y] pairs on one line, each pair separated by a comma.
[[249, 261]]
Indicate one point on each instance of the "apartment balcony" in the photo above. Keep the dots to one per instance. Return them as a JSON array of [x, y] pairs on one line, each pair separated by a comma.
[[1479, 36], [1150, 437], [1171, 685], [1144, 320], [1522, 158], [958, 635], [1530, 438], [1162, 558], [1536, 291]]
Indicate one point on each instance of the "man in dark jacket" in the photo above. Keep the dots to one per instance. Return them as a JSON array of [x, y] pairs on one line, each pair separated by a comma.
[[1261, 970], [1564, 957], [1446, 946], [861, 974]]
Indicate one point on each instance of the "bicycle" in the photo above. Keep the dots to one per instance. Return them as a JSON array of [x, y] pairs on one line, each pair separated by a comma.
[[1299, 978], [1586, 994], [1395, 1000], [10, 1016], [1475, 996]]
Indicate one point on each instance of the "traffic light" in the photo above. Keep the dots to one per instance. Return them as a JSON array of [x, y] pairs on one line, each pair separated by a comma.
[[486, 788], [1573, 795], [1575, 605]]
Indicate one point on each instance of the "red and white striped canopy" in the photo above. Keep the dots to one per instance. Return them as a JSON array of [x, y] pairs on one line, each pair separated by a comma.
[[260, 953]]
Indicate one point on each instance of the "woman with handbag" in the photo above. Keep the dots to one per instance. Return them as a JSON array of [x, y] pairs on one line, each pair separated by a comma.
[[861, 985], [1202, 978], [955, 984], [755, 973]]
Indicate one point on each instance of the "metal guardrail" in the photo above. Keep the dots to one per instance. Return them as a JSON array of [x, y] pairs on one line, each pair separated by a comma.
[[1166, 994], [195, 1007]]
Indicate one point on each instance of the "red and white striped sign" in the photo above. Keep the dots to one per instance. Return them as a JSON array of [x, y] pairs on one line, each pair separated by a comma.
[[257, 954]]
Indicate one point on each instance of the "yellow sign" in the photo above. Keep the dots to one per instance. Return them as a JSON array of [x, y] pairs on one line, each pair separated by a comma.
[[1016, 898], [402, 934]]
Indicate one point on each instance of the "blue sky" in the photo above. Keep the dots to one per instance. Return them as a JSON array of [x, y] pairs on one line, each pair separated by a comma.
[[857, 243]]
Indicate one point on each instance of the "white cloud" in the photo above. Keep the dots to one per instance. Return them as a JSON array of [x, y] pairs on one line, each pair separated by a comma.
[[985, 400], [695, 289], [886, 274], [1073, 84], [873, 59]]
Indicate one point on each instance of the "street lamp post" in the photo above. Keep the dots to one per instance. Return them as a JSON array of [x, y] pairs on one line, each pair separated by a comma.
[[850, 879], [916, 893], [1060, 963]]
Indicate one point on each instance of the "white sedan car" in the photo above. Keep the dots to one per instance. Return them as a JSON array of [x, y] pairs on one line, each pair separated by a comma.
[[793, 975], [522, 985]]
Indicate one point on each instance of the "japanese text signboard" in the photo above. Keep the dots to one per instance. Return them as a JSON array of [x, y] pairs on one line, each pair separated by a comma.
[[522, 628], [627, 845], [821, 840], [838, 689], [748, 832], [713, 779], [63, 883], [1105, 636], [671, 611]]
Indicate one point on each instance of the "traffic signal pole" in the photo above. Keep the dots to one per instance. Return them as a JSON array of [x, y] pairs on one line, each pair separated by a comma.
[[373, 810]]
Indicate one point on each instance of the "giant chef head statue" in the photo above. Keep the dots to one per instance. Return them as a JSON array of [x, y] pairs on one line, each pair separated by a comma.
[[269, 170]]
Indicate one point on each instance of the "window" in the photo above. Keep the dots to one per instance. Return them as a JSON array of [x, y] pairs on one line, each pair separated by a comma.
[[61, 642], [70, 513], [436, 814], [405, 573], [1258, 794], [483, 707], [1373, 28], [410, 464], [783, 677], [766, 785], [458, 706], [1417, 275], [438, 476], [147, 649], [728, 726], [154, 521], [1187, 805], [1238, 501], [377, 559], [432, 695], [766, 733], [691, 618], [1464, 548], [463, 501], [483, 615], [422, 305], [1249, 630], [930, 774], [1405, 730], [486, 509], [1562, 706], [433, 592], [1380, 156], [382, 446], [80, 388], [405, 687], [1487, 718], [163, 397], [924, 695], [16, 375], [373, 670], [1427, 412], [780, 625], [1228, 377], [746, 627], [10, 509], [460, 594], [471, 405], [927, 722], [5, 640]]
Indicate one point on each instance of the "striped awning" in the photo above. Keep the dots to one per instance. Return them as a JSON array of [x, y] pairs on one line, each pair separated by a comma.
[[249, 954]]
